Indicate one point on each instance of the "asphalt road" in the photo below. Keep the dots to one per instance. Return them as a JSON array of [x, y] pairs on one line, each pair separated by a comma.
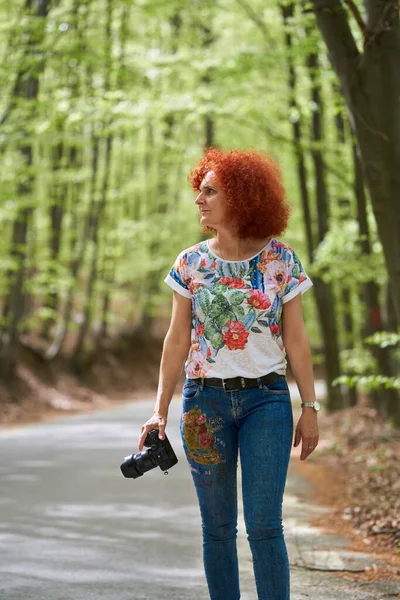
[[72, 528]]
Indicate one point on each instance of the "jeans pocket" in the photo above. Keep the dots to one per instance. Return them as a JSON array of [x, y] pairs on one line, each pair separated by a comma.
[[280, 386], [190, 390]]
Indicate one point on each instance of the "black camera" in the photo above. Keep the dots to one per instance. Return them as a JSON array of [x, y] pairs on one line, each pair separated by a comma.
[[159, 454]]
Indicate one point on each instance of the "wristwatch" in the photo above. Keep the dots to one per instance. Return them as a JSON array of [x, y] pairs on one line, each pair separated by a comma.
[[316, 405]]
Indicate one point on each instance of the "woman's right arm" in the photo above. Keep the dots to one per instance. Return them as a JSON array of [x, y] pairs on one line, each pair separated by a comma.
[[175, 350]]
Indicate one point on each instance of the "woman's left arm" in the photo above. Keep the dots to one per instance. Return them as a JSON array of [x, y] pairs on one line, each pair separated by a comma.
[[297, 345]]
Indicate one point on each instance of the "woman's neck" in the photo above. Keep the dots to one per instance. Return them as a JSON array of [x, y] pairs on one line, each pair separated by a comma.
[[230, 247]]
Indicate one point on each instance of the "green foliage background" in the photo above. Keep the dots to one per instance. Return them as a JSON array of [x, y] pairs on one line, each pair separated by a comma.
[[147, 78]]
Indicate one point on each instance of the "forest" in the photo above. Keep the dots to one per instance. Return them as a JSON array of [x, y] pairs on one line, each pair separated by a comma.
[[105, 108]]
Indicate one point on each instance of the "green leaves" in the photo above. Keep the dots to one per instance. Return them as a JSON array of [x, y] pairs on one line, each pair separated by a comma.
[[368, 382], [219, 305], [213, 334], [236, 298]]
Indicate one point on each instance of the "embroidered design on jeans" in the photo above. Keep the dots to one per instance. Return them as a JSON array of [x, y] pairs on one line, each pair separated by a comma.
[[199, 437]]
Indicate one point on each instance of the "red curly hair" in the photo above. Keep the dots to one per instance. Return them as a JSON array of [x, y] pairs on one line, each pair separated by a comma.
[[256, 196]]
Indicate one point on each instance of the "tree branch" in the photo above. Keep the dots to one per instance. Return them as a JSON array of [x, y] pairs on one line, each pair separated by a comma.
[[356, 13], [389, 13], [255, 17], [273, 135]]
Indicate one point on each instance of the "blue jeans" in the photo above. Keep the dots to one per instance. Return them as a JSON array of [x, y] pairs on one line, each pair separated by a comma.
[[257, 424]]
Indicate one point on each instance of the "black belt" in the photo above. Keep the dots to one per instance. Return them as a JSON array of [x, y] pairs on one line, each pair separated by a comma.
[[238, 383]]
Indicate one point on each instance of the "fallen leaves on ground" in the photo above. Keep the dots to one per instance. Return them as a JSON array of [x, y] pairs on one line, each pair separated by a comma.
[[358, 454]]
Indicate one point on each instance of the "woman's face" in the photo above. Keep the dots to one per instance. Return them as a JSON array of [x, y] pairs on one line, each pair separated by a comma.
[[212, 202]]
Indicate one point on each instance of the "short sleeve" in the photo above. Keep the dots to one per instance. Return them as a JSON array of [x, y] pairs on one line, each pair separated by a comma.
[[177, 278], [297, 280]]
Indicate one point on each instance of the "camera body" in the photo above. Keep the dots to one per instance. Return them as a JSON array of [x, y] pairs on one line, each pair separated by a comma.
[[159, 453]]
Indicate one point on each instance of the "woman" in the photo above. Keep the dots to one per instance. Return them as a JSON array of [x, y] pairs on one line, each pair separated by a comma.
[[236, 313]]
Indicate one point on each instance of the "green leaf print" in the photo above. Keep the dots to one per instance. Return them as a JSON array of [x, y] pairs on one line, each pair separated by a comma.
[[221, 320], [213, 334], [236, 298], [210, 360], [256, 330], [200, 313], [217, 341], [296, 271], [224, 318], [239, 312], [218, 306], [210, 329], [262, 322], [203, 299]]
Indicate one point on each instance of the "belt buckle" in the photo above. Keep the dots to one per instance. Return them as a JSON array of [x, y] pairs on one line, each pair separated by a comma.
[[224, 385]]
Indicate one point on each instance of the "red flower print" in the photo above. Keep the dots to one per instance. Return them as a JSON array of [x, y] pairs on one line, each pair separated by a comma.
[[236, 336], [214, 264], [201, 419], [193, 286], [203, 263], [197, 369], [259, 300], [302, 278], [234, 282], [205, 439], [200, 329], [281, 245], [275, 329], [208, 352]]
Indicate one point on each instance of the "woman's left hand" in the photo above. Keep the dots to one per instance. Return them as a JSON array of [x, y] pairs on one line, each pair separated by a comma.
[[307, 430]]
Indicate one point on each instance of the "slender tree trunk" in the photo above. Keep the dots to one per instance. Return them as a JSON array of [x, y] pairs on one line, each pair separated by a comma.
[[162, 203], [79, 253], [209, 124], [96, 224], [99, 209], [109, 263], [350, 393], [385, 400], [57, 208], [63, 156], [25, 89], [323, 294]]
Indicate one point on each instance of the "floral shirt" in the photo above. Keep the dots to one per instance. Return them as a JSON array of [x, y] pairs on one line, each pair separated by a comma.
[[237, 308]]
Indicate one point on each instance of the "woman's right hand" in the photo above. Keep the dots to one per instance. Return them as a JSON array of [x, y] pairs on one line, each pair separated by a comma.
[[157, 421]]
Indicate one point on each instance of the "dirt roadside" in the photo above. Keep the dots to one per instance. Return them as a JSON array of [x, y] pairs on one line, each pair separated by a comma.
[[358, 481]]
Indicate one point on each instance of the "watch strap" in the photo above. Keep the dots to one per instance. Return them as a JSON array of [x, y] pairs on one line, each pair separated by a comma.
[[315, 405]]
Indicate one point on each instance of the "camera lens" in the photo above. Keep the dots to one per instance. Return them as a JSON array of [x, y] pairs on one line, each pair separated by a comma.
[[134, 466]]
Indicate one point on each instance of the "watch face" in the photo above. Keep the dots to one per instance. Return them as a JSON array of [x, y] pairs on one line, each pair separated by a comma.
[[317, 405]]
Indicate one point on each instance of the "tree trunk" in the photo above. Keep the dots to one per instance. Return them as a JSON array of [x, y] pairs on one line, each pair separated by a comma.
[[76, 263], [109, 263], [57, 208], [95, 229], [26, 88], [345, 213], [322, 292], [385, 400], [371, 86], [98, 207]]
